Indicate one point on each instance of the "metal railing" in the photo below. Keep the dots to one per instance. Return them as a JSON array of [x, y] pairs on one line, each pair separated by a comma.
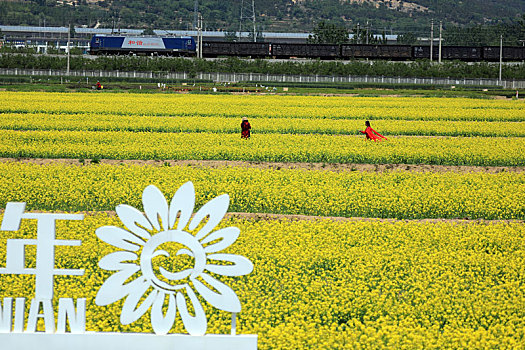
[[266, 78]]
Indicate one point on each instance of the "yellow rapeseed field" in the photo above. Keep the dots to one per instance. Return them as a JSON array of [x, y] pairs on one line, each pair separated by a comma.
[[328, 282], [407, 108], [285, 128], [493, 151], [407, 195], [334, 285], [263, 125]]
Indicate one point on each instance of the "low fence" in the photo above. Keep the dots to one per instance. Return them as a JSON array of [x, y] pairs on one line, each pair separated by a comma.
[[266, 78]]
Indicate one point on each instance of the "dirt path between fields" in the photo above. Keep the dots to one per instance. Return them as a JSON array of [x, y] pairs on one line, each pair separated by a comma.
[[298, 217], [264, 216], [279, 165]]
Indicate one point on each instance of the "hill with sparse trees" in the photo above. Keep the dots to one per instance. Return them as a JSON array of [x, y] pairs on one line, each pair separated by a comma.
[[380, 16]]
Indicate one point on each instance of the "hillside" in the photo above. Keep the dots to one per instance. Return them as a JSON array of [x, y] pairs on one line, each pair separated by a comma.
[[391, 16]]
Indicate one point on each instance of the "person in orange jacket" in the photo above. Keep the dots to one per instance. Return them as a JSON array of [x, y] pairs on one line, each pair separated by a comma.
[[371, 134]]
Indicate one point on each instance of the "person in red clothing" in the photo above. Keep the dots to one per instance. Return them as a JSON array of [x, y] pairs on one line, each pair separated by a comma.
[[245, 128], [371, 134]]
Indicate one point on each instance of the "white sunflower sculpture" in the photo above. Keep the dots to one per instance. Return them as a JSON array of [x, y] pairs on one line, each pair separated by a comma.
[[156, 286]]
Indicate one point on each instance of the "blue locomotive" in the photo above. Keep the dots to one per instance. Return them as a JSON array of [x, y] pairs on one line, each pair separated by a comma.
[[128, 45]]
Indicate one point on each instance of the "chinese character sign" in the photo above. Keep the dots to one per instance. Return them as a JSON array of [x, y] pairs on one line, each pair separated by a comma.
[[150, 43], [44, 273]]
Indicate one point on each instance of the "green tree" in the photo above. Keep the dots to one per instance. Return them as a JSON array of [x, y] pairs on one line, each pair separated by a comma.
[[148, 31], [72, 32], [328, 33], [258, 35], [230, 36], [364, 36], [407, 38]]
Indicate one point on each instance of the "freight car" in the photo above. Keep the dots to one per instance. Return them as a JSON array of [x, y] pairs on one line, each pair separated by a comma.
[[420, 52], [463, 53], [223, 48], [392, 52], [323, 51], [510, 53], [124, 45]]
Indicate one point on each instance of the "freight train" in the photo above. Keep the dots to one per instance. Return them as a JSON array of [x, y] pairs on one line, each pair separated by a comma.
[[185, 46]]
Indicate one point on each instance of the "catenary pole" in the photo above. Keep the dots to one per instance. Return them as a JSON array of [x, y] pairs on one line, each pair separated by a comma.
[[200, 40], [440, 30], [500, 55], [68, 50], [253, 17], [195, 14], [367, 32], [431, 39], [199, 36]]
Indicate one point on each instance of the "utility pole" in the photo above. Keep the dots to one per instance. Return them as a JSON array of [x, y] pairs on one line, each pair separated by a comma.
[[440, 30], [199, 36], [200, 40], [500, 55], [195, 14], [68, 50], [431, 39], [253, 17], [240, 21], [367, 32], [357, 39]]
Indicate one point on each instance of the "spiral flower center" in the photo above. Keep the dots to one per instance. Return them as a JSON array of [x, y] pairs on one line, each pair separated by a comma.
[[192, 247]]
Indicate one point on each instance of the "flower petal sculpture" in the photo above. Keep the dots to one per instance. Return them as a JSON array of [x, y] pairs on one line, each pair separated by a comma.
[[141, 241]]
